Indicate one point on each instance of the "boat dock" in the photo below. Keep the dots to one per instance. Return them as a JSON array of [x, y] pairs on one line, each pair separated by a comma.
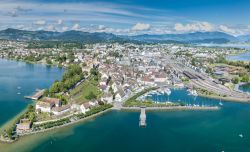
[[38, 94], [142, 122]]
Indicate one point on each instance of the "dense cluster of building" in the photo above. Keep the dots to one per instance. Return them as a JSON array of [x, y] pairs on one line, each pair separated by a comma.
[[125, 69]]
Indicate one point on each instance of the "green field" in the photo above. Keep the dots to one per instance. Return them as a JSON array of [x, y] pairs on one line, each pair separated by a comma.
[[80, 93]]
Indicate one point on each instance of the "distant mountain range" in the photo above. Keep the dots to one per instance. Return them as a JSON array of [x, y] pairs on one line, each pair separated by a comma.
[[197, 37], [86, 37]]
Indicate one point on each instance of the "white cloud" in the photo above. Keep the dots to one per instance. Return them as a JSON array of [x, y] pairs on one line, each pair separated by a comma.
[[226, 29], [13, 14], [40, 22], [50, 28], [192, 27], [65, 28], [141, 27], [20, 27], [101, 27], [76, 27], [60, 22]]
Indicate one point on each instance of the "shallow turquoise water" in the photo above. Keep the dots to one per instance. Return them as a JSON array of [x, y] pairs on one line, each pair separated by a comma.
[[180, 131], [245, 88], [192, 131], [27, 76]]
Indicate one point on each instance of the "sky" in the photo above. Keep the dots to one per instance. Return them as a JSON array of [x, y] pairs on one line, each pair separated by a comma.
[[128, 17]]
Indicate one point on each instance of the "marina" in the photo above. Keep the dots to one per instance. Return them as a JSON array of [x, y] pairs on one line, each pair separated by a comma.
[[182, 96]]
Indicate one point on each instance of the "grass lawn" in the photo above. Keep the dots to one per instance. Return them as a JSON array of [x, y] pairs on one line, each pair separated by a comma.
[[80, 93], [43, 116]]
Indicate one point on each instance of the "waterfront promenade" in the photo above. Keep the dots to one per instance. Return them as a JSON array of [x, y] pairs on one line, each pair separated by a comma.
[[67, 124]]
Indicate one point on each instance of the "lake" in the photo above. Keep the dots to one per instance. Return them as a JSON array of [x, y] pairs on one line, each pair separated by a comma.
[[18, 79], [176, 131], [239, 57], [235, 45]]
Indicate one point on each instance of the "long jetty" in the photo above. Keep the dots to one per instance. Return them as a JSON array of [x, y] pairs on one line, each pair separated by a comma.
[[142, 122], [173, 108]]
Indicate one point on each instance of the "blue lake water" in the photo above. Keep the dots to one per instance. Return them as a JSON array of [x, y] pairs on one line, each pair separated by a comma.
[[242, 46], [240, 57], [28, 77], [176, 131]]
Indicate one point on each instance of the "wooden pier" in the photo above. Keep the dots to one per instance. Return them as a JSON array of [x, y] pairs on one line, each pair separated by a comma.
[[38, 94], [142, 122]]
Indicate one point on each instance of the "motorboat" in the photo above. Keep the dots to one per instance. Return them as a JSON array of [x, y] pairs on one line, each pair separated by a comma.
[[193, 92]]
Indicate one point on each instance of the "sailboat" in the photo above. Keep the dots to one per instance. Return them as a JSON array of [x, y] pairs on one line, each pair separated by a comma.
[[220, 103], [167, 91], [192, 92]]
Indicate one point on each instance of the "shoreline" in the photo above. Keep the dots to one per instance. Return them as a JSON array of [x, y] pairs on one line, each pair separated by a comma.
[[237, 86], [34, 63], [67, 124], [228, 99], [57, 127], [171, 108], [230, 56]]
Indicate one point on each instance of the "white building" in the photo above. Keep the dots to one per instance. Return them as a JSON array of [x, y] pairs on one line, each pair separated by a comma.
[[60, 110], [85, 107]]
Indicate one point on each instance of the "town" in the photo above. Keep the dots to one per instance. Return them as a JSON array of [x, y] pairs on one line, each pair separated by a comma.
[[101, 76]]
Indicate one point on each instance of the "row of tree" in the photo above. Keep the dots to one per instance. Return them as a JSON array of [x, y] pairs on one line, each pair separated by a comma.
[[70, 77]]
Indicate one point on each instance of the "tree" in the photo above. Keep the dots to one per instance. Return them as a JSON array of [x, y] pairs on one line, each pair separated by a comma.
[[91, 96], [9, 132], [111, 90], [63, 99], [48, 61], [193, 61], [209, 70], [46, 92], [30, 108], [72, 71], [56, 87], [245, 78], [85, 72], [236, 80], [94, 71], [84, 64], [32, 116]]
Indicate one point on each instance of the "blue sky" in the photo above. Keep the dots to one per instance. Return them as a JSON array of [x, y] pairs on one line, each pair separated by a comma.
[[127, 16]]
